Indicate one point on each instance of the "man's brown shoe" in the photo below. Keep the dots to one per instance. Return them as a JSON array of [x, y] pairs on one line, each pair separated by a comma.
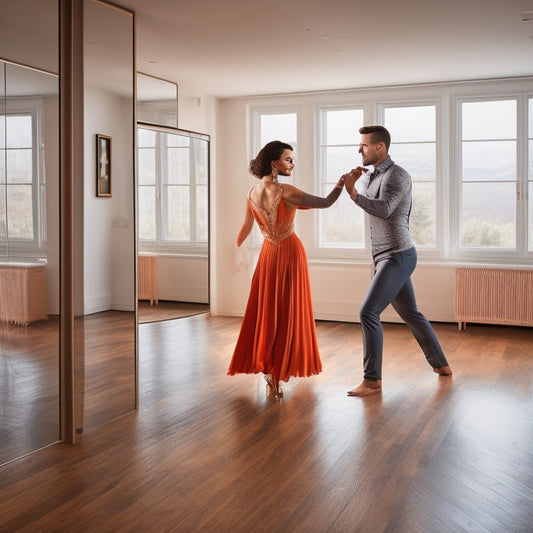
[[366, 387], [443, 370]]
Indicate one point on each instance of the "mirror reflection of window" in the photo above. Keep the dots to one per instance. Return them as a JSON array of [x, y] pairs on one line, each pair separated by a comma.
[[147, 189], [173, 188], [172, 221], [22, 185]]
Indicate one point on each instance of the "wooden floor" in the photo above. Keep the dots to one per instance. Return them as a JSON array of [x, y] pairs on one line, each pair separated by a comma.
[[208, 452], [29, 387]]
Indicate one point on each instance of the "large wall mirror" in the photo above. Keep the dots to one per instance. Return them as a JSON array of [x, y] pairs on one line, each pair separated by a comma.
[[104, 227], [29, 260], [173, 225], [29, 228], [108, 313]]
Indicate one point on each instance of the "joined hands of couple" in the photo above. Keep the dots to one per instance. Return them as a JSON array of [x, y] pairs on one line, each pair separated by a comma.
[[350, 178]]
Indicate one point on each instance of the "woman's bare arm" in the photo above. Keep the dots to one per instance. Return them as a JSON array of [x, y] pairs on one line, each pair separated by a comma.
[[247, 225], [298, 198]]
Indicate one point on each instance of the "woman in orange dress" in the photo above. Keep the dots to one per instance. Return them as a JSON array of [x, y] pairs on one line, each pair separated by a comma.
[[278, 335]]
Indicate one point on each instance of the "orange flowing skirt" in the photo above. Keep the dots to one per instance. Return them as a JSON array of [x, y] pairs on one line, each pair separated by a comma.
[[278, 333]]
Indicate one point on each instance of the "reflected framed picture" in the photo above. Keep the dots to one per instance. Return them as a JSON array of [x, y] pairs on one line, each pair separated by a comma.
[[103, 165]]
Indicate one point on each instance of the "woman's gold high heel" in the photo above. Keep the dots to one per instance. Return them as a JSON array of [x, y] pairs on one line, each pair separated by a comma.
[[273, 387]]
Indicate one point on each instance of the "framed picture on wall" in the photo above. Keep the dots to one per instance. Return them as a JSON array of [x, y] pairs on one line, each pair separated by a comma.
[[103, 165]]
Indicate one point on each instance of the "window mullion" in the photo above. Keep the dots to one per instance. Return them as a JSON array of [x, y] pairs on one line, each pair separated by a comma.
[[192, 192], [160, 192], [37, 198], [522, 177]]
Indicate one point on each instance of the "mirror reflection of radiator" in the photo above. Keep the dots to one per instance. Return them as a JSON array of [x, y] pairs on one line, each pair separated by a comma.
[[22, 293], [147, 278], [493, 296]]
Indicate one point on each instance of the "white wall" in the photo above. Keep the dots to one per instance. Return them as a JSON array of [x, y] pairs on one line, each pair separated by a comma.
[[196, 112], [229, 287], [108, 222], [183, 278], [339, 288], [338, 291]]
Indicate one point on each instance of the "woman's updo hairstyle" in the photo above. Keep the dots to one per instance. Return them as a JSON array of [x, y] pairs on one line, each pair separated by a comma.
[[262, 164]]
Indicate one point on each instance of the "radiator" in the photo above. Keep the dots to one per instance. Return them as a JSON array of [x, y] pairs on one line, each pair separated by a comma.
[[147, 278], [22, 293], [493, 296]]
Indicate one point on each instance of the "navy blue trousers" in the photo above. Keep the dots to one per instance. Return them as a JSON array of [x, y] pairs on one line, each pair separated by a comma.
[[391, 284]]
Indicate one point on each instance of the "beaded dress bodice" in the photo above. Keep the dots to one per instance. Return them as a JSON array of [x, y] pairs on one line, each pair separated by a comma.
[[277, 224]]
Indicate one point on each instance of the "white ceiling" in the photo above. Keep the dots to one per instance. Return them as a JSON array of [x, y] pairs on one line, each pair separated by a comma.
[[249, 47]]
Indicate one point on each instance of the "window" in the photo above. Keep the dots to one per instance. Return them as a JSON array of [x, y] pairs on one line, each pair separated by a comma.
[[275, 125], [22, 186], [413, 131], [467, 146], [173, 191], [342, 225], [279, 126], [414, 147], [488, 174]]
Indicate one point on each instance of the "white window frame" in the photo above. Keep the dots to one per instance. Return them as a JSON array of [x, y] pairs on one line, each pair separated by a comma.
[[24, 249], [256, 127], [490, 255], [333, 252]]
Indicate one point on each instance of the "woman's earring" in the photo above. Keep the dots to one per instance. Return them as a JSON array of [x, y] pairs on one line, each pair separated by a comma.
[[274, 174]]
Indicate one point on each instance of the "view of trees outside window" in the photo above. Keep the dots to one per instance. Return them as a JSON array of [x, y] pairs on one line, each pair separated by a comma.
[[413, 147], [16, 177], [488, 174], [342, 225], [172, 188]]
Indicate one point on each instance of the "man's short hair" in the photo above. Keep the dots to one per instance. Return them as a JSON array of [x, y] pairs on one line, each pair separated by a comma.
[[378, 133]]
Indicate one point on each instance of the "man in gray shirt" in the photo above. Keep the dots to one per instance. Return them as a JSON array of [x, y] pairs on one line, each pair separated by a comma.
[[387, 201]]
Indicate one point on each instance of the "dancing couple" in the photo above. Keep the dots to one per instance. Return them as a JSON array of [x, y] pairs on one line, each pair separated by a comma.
[[278, 334]]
